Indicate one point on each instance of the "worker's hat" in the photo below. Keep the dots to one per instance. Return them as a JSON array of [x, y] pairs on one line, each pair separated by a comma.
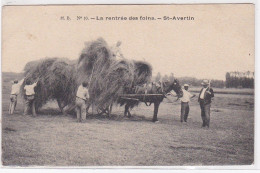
[[205, 82], [186, 85]]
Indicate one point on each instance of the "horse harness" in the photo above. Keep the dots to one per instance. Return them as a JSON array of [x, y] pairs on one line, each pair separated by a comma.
[[146, 90]]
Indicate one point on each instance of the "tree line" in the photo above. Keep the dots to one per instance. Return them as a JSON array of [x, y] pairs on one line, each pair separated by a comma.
[[240, 79], [233, 80]]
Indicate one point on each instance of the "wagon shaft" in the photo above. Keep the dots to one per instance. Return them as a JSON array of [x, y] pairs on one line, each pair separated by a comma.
[[142, 97], [125, 98], [134, 95]]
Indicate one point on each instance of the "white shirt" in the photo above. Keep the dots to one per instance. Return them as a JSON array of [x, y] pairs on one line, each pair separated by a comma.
[[82, 92], [16, 88], [202, 95], [29, 89], [173, 93], [117, 52], [186, 96]]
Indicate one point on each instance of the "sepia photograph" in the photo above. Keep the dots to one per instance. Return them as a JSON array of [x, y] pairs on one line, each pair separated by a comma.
[[128, 85]]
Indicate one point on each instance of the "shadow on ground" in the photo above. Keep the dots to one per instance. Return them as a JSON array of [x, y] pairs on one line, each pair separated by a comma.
[[113, 117]]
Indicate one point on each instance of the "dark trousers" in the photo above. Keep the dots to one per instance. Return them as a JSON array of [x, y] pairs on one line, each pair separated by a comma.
[[205, 113], [185, 108]]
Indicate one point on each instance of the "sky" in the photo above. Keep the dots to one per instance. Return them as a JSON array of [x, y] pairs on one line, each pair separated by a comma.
[[218, 40]]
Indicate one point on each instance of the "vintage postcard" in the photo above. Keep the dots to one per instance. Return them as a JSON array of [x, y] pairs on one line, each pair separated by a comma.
[[128, 85]]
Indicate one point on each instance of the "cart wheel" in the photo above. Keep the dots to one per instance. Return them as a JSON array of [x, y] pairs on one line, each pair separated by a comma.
[[110, 110], [101, 111]]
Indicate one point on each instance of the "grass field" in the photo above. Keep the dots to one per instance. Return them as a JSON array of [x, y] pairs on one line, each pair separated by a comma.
[[56, 140]]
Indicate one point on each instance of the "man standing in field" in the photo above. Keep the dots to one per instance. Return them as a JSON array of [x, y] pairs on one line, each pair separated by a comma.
[[14, 93], [30, 97], [204, 99], [185, 99], [82, 99]]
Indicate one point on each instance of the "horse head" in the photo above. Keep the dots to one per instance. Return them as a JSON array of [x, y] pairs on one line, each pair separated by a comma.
[[173, 85]]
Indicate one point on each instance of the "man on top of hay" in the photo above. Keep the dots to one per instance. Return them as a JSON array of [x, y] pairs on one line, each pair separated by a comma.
[[204, 99], [82, 98], [30, 97], [185, 99], [14, 93], [117, 50]]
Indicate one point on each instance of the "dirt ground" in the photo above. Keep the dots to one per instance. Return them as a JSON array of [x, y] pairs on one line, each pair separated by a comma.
[[56, 140]]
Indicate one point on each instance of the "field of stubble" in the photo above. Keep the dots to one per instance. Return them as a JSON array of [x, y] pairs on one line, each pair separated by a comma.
[[55, 140]]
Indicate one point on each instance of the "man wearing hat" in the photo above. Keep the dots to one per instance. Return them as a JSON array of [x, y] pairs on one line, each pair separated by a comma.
[[185, 99], [29, 89], [14, 93], [82, 102], [204, 99]]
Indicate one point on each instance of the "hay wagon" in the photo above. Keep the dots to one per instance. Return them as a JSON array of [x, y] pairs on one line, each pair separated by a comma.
[[148, 99]]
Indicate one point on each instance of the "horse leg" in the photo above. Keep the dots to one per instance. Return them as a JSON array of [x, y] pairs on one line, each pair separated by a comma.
[[156, 107], [37, 108], [126, 110]]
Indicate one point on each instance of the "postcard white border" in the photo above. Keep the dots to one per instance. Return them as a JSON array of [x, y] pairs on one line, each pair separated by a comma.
[[196, 169]]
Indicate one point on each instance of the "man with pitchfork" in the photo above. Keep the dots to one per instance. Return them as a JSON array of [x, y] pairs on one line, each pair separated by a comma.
[[206, 93]]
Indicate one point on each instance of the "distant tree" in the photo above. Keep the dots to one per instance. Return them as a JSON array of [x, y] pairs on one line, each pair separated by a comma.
[[228, 80], [158, 77], [165, 78], [239, 79], [248, 74], [218, 83], [171, 77]]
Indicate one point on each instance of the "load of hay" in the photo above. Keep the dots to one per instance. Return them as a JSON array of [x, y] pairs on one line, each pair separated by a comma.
[[56, 80], [108, 77], [117, 79], [143, 72]]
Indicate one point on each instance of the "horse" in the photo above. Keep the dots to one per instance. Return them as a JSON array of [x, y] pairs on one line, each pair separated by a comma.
[[158, 89]]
